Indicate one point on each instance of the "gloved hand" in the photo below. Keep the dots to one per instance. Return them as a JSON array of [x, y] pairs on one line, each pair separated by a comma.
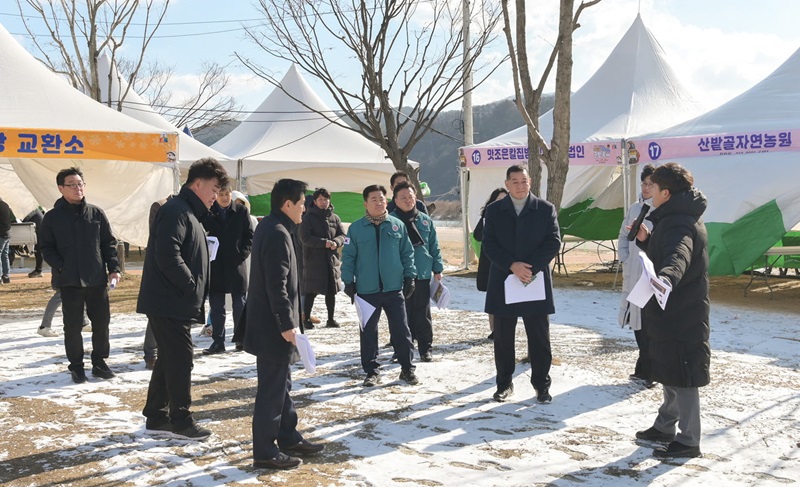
[[408, 287], [350, 290]]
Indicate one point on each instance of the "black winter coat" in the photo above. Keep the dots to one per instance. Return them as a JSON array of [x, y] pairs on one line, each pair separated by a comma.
[[76, 241], [273, 301], [680, 354], [235, 234], [175, 278], [320, 263], [531, 237], [482, 279], [5, 220]]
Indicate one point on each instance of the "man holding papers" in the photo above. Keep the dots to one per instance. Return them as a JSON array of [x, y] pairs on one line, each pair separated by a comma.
[[520, 238], [273, 313], [378, 264], [676, 321]]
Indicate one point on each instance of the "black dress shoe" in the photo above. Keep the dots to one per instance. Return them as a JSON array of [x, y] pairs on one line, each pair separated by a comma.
[[677, 449], [504, 393], [303, 447], [308, 325], [214, 349], [544, 397], [100, 369], [652, 434], [78, 375], [426, 356], [280, 462], [332, 324]]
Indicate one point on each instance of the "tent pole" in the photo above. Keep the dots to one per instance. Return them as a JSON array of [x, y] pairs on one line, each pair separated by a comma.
[[464, 180], [239, 176]]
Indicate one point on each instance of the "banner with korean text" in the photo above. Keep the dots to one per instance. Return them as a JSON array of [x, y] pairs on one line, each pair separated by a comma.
[[81, 144], [754, 142], [601, 153]]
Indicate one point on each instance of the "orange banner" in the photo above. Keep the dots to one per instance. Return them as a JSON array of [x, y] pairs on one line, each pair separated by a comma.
[[83, 144]]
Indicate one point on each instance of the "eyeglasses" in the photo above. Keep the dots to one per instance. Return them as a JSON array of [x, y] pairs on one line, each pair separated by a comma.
[[645, 183], [74, 185]]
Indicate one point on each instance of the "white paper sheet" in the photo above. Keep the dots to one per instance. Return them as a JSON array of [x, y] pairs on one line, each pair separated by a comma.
[[213, 245], [517, 292], [648, 285], [306, 353], [364, 310], [440, 295]]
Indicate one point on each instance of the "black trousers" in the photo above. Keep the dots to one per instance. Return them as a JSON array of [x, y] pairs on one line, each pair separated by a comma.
[[274, 416], [95, 300], [169, 396], [418, 314], [643, 362], [330, 298], [400, 336], [537, 328]]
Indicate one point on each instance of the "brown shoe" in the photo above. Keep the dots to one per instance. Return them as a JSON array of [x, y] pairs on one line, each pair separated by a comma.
[[303, 447], [280, 462], [314, 319]]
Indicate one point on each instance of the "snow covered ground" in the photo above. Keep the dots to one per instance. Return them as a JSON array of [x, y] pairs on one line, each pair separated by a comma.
[[444, 432]]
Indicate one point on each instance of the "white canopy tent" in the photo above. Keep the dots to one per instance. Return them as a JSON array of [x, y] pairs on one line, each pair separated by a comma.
[[135, 107], [283, 138], [745, 157], [633, 92]]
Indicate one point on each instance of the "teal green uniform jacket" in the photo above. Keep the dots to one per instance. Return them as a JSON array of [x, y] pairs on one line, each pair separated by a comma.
[[427, 257], [375, 267]]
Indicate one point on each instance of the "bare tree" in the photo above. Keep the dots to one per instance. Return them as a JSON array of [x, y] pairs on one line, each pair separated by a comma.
[[408, 55], [209, 102], [555, 156], [80, 30]]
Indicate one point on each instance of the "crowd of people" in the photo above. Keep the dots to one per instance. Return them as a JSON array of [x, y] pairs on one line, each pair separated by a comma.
[[205, 245]]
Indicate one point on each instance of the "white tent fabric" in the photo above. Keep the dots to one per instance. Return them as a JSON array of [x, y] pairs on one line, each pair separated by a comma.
[[633, 92], [135, 107], [744, 189], [35, 98], [283, 138]]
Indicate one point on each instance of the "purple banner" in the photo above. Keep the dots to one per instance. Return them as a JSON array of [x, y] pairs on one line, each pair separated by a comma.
[[755, 142], [582, 154]]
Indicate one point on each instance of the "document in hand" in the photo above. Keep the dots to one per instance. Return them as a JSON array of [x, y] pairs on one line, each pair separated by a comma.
[[213, 246], [517, 292], [648, 285], [306, 353], [440, 295], [364, 310]]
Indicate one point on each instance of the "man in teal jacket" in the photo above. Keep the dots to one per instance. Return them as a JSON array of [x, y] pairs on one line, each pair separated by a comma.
[[428, 261], [378, 264]]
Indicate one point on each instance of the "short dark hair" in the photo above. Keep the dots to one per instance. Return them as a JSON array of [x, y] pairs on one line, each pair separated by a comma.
[[287, 190], [321, 192], [61, 177], [372, 188], [403, 185], [647, 170], [207, 168], [674, 177], [398, 174], [515, 168]]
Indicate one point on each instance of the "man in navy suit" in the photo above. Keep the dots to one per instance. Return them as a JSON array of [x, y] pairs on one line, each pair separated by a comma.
[[521, 237]]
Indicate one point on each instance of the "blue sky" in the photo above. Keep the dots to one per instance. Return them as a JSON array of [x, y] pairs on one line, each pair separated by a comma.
[[718, 48]]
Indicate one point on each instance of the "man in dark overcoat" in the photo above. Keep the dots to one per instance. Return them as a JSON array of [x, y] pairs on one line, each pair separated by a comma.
[[521, 238], [172, 295], [229, 222], [273, 314], [680, 354]]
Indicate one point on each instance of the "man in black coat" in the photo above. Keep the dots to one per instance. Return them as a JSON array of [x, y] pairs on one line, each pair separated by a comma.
[[520, 238], [5, 237], [229, 222], [680, 355], [174, 288], [76, 241], [273, 314], [36, 216]]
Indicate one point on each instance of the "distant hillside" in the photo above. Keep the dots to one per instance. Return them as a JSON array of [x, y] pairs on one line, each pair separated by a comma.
[[437, 152]]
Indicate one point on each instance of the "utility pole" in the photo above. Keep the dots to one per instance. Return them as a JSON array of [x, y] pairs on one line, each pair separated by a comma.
[[466, 109]]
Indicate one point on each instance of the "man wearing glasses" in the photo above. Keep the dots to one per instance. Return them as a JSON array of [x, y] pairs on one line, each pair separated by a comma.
[[76, 241]]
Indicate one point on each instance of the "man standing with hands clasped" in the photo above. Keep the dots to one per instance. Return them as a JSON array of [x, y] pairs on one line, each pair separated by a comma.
[[521, 237], [273, 314], [76, 241]]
